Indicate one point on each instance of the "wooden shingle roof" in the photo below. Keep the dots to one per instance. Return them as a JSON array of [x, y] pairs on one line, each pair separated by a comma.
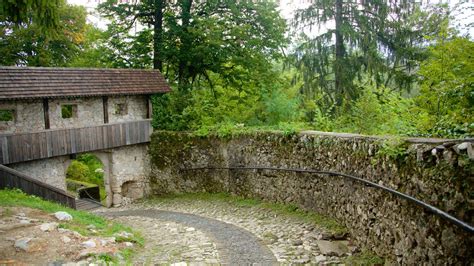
[[18, 83]]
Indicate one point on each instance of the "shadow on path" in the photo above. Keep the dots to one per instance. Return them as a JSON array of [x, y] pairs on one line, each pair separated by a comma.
[[234, 244]]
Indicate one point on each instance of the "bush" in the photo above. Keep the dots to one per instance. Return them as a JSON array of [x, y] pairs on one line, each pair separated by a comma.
[[78, 171], [85, 168]]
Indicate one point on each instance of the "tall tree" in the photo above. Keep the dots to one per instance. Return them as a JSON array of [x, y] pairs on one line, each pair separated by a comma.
[[27, 44], [43, 13], [380, 38], [215, 45], [193, 37], [158, 35]]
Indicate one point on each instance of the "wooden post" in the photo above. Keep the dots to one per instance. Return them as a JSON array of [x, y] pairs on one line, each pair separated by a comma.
[[149, 109], [105, 104], [46, 113]]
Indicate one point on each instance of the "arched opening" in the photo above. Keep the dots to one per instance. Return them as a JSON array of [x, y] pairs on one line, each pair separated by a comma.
[[84, 175]]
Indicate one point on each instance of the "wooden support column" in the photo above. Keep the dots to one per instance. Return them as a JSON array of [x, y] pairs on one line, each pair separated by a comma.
[[149, 109], [105, 104], [46, 113]]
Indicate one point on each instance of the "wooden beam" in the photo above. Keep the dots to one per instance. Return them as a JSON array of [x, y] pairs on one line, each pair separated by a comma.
[[105, 104], [21, 147], [149, 109], [46, 113]]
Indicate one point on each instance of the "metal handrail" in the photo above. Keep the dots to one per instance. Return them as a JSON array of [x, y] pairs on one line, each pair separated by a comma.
[[418, 202]]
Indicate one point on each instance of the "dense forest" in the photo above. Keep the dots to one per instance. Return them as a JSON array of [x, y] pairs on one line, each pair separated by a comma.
[[372, 67]]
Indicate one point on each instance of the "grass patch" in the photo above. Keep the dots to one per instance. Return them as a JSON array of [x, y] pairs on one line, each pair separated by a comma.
[[80, 221], [364, 258], [281, 209]]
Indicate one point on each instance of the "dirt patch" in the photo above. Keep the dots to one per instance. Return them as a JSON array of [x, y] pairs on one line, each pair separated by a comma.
[[30, 236]]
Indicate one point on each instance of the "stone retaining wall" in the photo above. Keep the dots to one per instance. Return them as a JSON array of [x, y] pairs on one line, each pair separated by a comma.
[[441, 175]]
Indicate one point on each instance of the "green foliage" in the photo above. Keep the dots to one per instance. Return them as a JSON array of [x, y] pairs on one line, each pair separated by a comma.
[[7, 115], [217, 56], [393, 148], [27, 44], [380, 39], [364, 258], [447, 88], [86, 168], [93, 51], [77, 171], [43, 13]]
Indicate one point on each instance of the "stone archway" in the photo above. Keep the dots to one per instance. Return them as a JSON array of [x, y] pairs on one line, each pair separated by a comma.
[[105, 158]]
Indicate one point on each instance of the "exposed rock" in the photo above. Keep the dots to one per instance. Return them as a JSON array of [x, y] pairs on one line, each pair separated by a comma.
[[107, 240], [332, 248], [179, 264], [297, 242], [128, 244], [303, 260], [63, 216], [22, 243], [124, 234], [463, 146], [320, 258], [77, 235], [89, 244], [65, 239], [48, 227], [190, 229], [91, 227]]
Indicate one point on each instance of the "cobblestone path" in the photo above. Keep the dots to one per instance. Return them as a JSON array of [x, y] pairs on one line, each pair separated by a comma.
[[235, 245], [193, 231]]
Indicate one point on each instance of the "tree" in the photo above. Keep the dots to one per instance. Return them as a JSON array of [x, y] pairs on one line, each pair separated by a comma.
[[27, 44], [447, 87], [200, 36], [43, 13], [198, 45], [382, 39]]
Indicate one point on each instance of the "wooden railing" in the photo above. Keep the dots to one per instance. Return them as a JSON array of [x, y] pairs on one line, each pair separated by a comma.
[[10, 178], [21, 147]]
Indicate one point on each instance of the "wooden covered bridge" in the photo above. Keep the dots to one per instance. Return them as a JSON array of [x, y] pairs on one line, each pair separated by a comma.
[[51, 112]]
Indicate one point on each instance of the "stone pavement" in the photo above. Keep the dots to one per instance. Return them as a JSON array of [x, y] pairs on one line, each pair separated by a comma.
[[200, 231]]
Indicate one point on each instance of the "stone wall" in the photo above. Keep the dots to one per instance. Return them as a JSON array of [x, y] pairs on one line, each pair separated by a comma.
[[28, 116], [441, 175], [126, 172], [130, 169], [136, 108], [89, 113], [51, 171]]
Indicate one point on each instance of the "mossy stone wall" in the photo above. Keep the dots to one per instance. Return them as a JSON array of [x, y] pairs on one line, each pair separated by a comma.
[[434, 171]]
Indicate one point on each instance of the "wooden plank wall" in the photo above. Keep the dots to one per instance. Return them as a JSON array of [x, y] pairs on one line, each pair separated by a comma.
[[10, 178], [23, 147]]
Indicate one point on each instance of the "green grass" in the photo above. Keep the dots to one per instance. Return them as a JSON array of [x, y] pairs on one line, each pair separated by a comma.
[[280, 209], [80, 221], [364, 258]]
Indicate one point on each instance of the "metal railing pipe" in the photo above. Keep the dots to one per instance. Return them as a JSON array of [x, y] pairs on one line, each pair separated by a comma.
[[418, 202]]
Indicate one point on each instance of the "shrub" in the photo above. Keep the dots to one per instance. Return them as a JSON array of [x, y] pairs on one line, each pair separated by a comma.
[[78, 171]]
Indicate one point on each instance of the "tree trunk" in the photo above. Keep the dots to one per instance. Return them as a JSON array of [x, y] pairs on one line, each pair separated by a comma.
[[158, 35], [339, 60], [185, 41]]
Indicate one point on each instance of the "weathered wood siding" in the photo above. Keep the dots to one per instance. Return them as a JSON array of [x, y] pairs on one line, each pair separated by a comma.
[[10, 178], [23, 147]]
